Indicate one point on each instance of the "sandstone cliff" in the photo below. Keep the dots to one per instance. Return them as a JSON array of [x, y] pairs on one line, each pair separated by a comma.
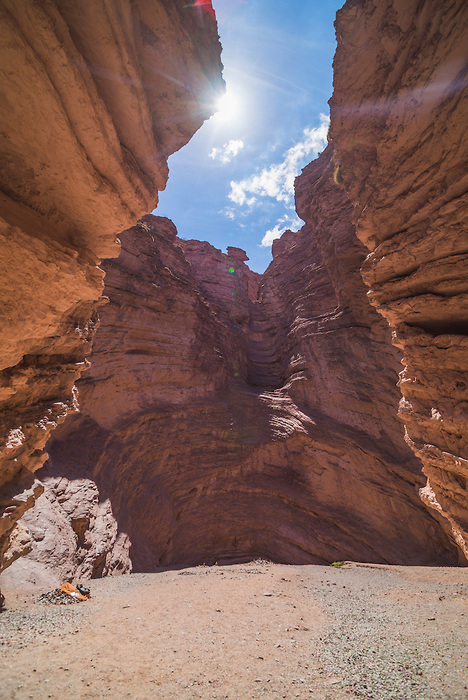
[[228, 416], [94, 97], [398, 121]]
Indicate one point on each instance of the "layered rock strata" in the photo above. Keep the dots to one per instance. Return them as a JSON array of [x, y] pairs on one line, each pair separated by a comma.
[[398, 120], [94, 97], [227, 416]]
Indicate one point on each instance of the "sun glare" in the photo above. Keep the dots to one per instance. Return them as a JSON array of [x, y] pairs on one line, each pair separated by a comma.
[[227, 107]]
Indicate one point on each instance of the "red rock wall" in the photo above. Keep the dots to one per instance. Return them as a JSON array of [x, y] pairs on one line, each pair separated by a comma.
[[94, 97], [154, 426], [227, 416], [398, 121]]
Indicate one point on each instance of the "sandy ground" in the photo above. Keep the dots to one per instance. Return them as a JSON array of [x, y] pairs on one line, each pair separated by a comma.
[[256, 630]]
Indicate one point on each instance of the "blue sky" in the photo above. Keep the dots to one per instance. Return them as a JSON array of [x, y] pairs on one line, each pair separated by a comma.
[[232, 184]]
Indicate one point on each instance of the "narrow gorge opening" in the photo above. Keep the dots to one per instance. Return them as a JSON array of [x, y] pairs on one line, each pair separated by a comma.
[[229, 412]]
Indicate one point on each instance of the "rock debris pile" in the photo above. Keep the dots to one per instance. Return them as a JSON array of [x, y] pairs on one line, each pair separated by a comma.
[[57, 597]]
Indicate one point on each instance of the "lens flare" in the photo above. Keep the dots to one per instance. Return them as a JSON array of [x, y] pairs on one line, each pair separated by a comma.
[[204, 5], [227, 107]]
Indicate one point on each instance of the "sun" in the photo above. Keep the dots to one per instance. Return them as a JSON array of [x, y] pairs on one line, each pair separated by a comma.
[[227, 107]]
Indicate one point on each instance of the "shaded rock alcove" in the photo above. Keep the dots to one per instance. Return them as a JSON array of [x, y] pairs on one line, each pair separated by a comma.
[[228, 415]]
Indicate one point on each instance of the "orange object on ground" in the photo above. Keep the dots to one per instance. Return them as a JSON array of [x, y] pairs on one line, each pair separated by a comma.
[[74, 592]]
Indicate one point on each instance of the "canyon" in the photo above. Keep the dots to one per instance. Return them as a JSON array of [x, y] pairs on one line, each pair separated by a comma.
[[226, 415], [229, 416]]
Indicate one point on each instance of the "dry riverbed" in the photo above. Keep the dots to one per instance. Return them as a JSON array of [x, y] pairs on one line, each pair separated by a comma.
[[244, 631]]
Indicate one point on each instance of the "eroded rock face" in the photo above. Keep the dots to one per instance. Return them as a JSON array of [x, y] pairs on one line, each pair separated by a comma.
[[94, 97], [227, 416], [398, 121]]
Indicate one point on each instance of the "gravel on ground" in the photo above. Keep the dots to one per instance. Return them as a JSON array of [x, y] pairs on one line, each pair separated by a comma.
[[257, 630]]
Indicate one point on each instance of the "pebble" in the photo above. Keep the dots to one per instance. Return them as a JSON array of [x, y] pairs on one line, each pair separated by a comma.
[[378, 648], [58, 598]]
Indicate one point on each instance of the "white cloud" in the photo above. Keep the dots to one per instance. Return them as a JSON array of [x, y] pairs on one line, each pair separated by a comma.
[[277, 181], [227, 152], [229, 213], [286, 222], [238, 195]]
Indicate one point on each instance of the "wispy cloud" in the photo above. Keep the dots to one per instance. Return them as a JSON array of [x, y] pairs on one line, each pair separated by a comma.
[[229, 213], [277, 180], [227, 152], [286, 222]]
